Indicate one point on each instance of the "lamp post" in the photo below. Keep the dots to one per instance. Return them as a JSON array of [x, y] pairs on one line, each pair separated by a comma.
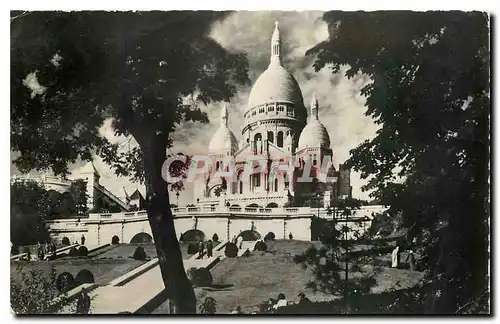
[[177, 194]]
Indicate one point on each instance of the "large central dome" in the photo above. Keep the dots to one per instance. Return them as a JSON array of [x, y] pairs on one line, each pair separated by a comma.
[[276, 84]]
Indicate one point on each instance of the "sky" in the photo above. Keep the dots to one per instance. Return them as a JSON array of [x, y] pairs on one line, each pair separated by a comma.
[[341, 105]]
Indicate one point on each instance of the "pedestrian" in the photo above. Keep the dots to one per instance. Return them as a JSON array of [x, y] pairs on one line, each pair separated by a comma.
[[395, 257], [281, 301], [290, 236], [237, 310], [201, 249], [47, 248], [83, 239], [234, 239], [239, 242], [83, 303], [303, 300], [411, 260], [210, 247]]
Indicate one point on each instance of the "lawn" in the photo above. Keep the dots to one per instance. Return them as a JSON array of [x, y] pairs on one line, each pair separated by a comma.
[[247, 282], [103, 271], [125, 251]]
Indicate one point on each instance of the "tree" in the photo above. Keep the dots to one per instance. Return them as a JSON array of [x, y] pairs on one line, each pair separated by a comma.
[[35, 293], [430, 94], [30, 207], [137, 68], [332, 263], [78, 192]]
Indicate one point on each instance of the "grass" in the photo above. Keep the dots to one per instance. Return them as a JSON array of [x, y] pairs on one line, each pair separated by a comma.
[[247, 282], [125, 251], [103, 271]]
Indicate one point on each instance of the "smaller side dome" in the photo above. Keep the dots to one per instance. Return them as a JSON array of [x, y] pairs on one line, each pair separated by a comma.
[[314, 134], [223, 141]]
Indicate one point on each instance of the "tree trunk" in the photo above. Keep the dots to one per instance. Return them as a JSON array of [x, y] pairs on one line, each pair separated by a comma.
[[178, 288]]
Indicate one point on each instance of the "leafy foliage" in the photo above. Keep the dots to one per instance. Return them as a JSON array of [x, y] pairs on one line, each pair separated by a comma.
[[429, 160], [30, 207], [35, 293], [208, 306], [148, 71]]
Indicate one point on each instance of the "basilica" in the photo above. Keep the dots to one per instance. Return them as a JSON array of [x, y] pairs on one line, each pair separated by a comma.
[[277, 127]]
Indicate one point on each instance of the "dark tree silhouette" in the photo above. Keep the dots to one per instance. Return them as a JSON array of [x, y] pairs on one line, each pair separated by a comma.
[[136, 68]]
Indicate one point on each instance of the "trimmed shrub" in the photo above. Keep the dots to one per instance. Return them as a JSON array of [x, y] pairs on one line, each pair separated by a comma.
[[192, 248], [65, 282], [115, 240], [65, 241], [139, 254], [202, 277], [260, 246], [215, 238], [73, 252], [269, 237], [83, 251], [14, 250], [246, 254], [231, 250]]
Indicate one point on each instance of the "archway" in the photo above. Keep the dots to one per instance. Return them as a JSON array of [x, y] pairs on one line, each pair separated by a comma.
[[65, 282], [272, 205], [235, 206], [215, 190], [65, 241], [193, 235], [141, 238], [84, 276], [254, 205], [250, 235], [115, 240]]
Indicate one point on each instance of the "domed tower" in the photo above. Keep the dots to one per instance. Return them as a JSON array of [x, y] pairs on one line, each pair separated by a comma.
[[314, 145], [223, 142], [275, 106]]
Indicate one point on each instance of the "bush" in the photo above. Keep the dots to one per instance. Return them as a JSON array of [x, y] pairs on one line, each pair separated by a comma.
[[269, 236], [73, 252], [246, 254], [215, 238], [192, 248], [201, 277], [65, 241], [208, 306], [83, 251], [115, 240], [139, 254], [65, 282], [231, 250], [260, 246], [14, 250]]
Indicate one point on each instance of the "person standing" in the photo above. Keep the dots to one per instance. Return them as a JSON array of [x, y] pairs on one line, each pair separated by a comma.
[[201, 249], [83, 239], [83, 303], [395, 257], [210, 248], [411, 260], [239, 242]]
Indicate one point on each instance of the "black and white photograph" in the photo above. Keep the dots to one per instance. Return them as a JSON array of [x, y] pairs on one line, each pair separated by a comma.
[[239, 163]]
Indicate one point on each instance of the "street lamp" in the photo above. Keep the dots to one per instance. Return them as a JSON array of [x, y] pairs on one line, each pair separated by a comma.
[[177, 194]]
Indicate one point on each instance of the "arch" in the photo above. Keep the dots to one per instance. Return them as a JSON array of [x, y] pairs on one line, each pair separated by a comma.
[[235, 205], [65, 241], [254, 205], [250, 235], [193, 235], [257, 136], [270, 136], [279, 139], [213, 188], [115, 240], [84, 276], [65, 282], [272, 205], [141, 238]]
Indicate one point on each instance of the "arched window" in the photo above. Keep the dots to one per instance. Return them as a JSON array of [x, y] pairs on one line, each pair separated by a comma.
[[279, 139], [275, 184], [256, 180], [270, 136]]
